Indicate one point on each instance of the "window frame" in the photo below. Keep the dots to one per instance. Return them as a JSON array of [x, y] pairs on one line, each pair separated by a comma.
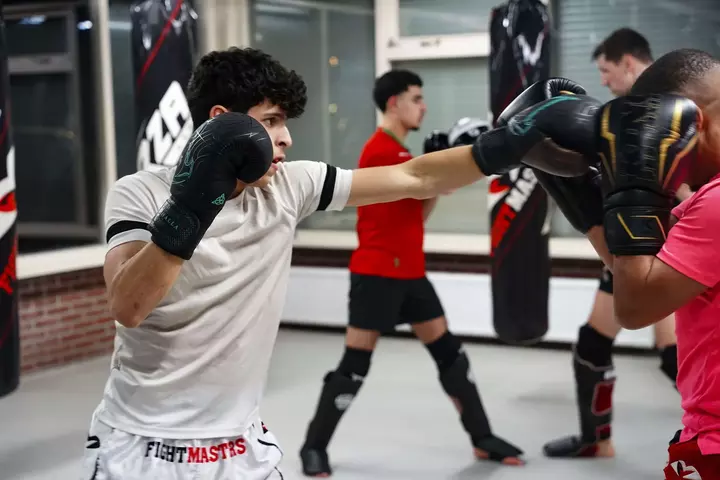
[[25, 65], [62, 260]]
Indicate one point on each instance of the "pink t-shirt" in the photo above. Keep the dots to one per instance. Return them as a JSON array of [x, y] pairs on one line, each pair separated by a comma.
[[693, 249]]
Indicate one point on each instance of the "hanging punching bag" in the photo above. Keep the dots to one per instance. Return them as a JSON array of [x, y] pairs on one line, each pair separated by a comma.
[[9, 322], [519, 57], [164, 47]]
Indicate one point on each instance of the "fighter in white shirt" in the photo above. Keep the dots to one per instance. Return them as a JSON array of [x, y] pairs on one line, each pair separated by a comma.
[[197, 269]]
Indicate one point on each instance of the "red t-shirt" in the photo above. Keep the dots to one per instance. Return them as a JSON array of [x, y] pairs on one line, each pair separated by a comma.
[[390, 235], [693, 249]]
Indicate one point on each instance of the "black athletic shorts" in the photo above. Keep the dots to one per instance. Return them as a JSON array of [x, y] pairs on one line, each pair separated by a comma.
[[606, 281], [381, 303]]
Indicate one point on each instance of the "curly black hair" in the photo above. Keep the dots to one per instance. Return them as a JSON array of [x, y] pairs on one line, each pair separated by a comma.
[[239, 79]]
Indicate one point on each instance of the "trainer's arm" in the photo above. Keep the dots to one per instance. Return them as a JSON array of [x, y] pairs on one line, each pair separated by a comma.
[[650, 288], [596, 236], [138, 275], [646, 290], [425, 176], [683, 192]]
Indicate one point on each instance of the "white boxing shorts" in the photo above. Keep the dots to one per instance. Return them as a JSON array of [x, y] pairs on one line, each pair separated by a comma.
[[111, 454]]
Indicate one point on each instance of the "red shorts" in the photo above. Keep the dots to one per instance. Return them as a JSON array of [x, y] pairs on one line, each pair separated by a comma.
[[686, 462]]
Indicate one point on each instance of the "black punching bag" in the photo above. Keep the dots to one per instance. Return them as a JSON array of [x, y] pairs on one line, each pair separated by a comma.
[[519, 57], [9, 322], [164, 45]]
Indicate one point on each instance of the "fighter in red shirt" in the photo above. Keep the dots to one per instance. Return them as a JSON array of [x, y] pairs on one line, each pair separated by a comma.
[[388, 287]]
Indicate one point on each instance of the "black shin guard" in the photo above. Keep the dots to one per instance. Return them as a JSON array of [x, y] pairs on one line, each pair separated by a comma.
[[668, 362], [339, 390], [594, 382], [445, 350], [458, 383]]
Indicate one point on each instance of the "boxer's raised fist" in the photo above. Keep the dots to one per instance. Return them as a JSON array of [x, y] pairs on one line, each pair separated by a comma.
[[225, 149], [646, 145]]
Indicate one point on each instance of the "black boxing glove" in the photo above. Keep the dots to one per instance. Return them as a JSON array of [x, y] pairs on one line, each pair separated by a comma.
[[466, 131], [435, 141], [580, 198], [550, 126], [225, 149], [646, 144]]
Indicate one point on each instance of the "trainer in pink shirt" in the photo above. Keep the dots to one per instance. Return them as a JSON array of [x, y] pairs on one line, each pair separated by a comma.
[[693, 249]]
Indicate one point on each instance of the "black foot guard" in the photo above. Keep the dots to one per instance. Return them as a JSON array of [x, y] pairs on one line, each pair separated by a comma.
[[570, 447], [458, 383], [315, 463], [337, 394], [496, 448]]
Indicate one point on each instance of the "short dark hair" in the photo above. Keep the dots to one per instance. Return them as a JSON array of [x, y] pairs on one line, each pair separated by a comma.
[[239, 79], [393, 83], [674, 72], [624, 41]]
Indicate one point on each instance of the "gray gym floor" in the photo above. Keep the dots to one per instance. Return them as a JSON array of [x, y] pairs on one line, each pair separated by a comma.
[[400, 427]]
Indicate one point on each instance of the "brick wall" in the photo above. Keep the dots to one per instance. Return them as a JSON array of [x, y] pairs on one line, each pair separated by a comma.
[[63, 318]]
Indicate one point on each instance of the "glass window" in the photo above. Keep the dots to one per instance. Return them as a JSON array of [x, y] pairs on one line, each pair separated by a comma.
[[339, 70], [123, 86], [453, 89], [52, 126], [36, 34], [446, 17], [582, 25], [47, 150]]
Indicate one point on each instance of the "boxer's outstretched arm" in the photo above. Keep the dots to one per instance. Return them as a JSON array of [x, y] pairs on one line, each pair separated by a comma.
[[422, 177], [138, 275]]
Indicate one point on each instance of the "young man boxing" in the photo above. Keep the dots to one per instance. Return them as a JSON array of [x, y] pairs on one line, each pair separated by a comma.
[[198, 264], [664, 259], [621, 58], [389, 286]]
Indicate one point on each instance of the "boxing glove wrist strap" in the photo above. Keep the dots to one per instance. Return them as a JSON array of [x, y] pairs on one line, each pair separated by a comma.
[[497, 151], [177, 229], [635, 230]]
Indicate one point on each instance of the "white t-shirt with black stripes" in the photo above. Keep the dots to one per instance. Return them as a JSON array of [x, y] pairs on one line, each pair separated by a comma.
[[197, 365]]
